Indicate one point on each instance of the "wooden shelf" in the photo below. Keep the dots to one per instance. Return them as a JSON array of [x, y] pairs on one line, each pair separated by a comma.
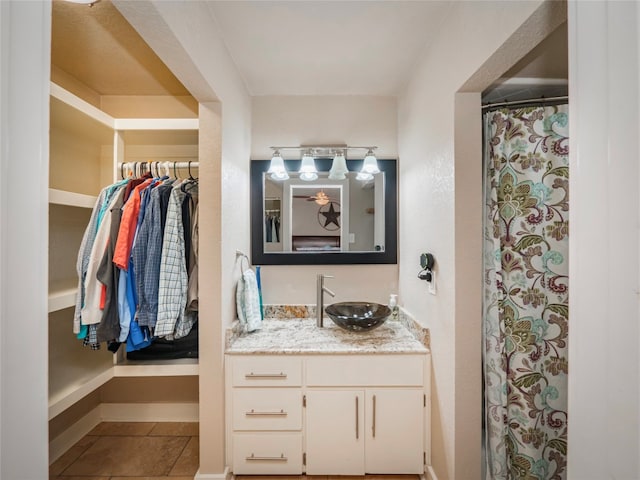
[[80, 105], [63, 400], [62, 294], [157, 368], [71, 199], [156, 123]]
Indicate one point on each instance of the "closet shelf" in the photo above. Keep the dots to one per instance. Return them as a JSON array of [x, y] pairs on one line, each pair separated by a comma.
[[71, 199], [62, 294], [63, 400], [157, 368]]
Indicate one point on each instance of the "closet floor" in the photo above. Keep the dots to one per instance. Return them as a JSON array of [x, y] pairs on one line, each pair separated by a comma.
[[132, 451], [151, 451]]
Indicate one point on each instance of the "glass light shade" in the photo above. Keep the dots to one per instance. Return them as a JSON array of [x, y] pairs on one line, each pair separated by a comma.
[[364, 176], [277, 168], [338, 167], [308, 171], [370, 164]]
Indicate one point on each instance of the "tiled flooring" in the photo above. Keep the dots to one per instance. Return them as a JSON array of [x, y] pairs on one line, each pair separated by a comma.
[[150, 451], [132, 451]]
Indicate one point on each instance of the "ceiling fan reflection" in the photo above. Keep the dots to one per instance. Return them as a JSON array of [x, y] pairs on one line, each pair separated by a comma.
[[320, 198]]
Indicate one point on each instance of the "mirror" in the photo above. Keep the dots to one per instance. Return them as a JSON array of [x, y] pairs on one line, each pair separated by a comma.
[[323, 222]]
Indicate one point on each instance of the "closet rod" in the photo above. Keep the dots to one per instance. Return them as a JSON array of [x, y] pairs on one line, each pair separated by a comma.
[[525, 102], [171, 164]]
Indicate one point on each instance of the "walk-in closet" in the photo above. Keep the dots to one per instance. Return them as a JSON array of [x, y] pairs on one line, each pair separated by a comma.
[[116, 112]]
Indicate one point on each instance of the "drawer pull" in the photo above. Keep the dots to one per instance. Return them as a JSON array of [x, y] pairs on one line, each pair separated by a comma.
[[255, 376], [253, 458], [281, 413]]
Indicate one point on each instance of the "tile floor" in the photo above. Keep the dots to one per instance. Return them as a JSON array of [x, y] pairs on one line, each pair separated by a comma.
[[150, 451], [132, 451]]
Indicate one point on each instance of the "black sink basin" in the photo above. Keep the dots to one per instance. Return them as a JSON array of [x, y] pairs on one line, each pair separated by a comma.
[[358, 316]]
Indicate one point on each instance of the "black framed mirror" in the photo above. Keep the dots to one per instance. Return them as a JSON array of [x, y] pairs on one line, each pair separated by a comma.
[[324, 222]]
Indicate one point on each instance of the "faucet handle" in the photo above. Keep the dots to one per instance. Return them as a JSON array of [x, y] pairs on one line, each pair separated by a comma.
[[327, 276]]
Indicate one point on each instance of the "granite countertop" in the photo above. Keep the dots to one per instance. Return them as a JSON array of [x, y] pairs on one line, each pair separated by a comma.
[[302, 336]]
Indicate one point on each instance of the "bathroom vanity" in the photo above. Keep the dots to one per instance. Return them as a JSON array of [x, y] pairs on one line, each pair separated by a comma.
[[326, 401]]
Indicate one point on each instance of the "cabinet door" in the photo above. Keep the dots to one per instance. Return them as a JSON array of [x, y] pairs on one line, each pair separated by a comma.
[[394, 431], [335, 432]]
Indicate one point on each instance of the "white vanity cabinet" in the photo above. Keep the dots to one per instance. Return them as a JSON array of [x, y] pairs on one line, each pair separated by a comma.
[[328, 414], [365, 414], [264, 414]]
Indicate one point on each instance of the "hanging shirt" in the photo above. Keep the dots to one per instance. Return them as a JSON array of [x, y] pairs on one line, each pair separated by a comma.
[[146, 256], [192, 266], [172, 290], [83, 259], [109, 274], [128, 225], [91, 311]]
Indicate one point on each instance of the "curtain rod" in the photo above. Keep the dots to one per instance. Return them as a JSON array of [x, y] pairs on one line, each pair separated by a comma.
[[523, 102]]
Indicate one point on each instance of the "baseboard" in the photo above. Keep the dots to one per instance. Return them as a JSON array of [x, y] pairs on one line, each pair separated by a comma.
[[67, 439], [226, 475], [149, 412], [431, 475]]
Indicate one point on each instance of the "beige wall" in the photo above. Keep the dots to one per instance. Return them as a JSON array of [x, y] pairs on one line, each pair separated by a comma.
[[297, 120], [440, 200]]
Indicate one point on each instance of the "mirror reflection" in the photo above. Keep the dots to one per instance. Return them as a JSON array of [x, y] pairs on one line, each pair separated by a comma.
[[324, 215], [323, 221]]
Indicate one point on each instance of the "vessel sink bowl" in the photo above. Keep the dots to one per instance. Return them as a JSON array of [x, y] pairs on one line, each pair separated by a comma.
[[358, 316]]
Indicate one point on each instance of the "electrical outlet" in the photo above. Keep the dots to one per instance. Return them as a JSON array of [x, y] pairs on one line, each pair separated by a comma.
[[432, 283]]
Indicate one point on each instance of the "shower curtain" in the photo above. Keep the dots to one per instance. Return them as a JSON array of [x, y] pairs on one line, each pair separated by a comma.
[[526, 304]]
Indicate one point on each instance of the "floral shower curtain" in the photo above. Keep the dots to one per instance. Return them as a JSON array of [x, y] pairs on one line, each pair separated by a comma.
[[526, 304]]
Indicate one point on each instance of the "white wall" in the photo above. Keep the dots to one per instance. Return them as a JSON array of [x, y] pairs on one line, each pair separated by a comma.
[[25, 29], [604, 363], [186, 36], [434, 189], [297, 120]]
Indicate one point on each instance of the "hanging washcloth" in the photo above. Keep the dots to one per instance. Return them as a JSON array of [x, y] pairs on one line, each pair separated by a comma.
[[248, 299]]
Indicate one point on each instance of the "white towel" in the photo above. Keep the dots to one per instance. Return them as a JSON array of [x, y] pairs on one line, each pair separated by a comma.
[[248, 301]]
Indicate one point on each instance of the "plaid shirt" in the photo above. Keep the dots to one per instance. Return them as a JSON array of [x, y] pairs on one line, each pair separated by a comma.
[[147, 253], [173, 322]]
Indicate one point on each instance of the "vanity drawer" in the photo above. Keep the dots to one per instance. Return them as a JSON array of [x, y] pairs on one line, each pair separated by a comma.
[[267, 409], [267, 454], [266, 371], [365, 370]]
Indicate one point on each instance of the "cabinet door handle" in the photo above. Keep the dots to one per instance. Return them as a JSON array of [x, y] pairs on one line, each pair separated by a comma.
[[256, 376], [253, 458], [373, 426], [281, 413], [357, 419]]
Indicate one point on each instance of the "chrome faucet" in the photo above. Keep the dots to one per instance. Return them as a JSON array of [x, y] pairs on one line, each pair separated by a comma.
[[321, 290]]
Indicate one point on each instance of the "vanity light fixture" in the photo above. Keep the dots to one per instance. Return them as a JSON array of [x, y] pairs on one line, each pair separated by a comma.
[[277, 169], [338, 167], [308, 171]]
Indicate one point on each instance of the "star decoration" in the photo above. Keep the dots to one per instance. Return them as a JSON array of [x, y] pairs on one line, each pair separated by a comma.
[[331, 216]]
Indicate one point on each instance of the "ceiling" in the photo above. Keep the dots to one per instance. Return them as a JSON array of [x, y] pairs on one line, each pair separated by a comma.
[[314, 47], [327, 47]]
